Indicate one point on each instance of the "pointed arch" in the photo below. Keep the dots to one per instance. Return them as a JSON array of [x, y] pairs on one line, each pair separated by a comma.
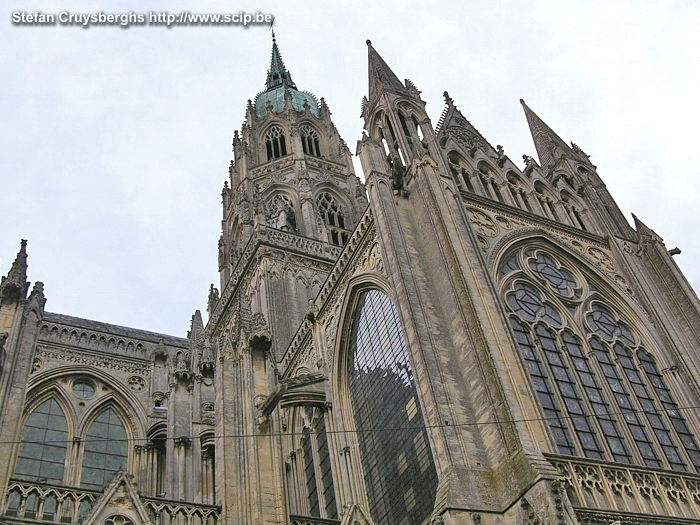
[[44, 447], [310, 140], [377, 391], [275, 140], [106, 445], [585, 350]]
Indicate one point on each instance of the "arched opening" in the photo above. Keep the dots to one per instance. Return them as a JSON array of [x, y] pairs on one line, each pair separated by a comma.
[[331, 214], [597, 386], [310, 143], [42, 453], [399, 471], [106, 450], [275, 143]]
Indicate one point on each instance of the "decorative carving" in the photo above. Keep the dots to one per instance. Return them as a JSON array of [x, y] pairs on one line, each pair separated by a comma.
[[588, 477], [673, 489], [483, 224], [600, 257], [646, 485], [618, 481], [136, 383], [37, 365], [120, 364]]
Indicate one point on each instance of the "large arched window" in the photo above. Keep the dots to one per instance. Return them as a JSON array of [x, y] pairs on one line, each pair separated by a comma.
[[599, 390], [275, 143], [105, 452], [399, 472], [42, 454]]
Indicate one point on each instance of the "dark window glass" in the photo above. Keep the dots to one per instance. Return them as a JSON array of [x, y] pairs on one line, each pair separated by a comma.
[[42, 454], [399, 471], [105, 450], [325, 469], [310, 473], [677, 421], [83, 389]]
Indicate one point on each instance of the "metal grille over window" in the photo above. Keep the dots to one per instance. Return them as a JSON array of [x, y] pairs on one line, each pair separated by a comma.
[[105, 450], [617, 404], [275, 143], [42, 454], [309, 141], [332, 215], [398, 466]]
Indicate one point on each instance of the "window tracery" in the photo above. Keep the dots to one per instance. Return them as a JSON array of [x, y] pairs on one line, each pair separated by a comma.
[[310, 141], [600, 391], [331, 214], [105, 450], [399, 470], [275, 143], [282, 213], [42, 453]]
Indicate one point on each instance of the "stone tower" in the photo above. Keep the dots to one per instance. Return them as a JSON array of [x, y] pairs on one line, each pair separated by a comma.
[[289, 206]]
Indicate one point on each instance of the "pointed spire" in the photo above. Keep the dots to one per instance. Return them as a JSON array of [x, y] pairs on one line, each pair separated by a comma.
[[277, 74], [381, 77], [548, 144], [14, 287], [196, 335]]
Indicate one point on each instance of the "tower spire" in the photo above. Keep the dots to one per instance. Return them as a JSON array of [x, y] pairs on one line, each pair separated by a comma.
[[381, 77], [548, 144], [14, 287], [277, 74]]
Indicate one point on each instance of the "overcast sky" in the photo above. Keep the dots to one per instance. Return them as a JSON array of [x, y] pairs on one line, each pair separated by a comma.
[[115, 143]]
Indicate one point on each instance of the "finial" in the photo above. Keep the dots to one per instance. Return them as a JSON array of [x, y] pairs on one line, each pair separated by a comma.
[[368, 42], [448, 99], [274, 40], [522, 101]]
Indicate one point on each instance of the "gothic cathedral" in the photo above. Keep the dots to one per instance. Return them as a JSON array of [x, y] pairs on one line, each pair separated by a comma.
[[454, 341]]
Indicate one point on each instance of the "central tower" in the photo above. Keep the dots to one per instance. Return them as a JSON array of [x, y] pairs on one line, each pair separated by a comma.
[[290, 204]]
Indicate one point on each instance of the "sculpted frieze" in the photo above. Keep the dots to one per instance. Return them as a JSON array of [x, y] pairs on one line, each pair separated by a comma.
[[85, 358]]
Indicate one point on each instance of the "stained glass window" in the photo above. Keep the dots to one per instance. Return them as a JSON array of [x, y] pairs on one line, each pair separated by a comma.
[[617, 403], [398, 466], [42, 454], [105, 451]]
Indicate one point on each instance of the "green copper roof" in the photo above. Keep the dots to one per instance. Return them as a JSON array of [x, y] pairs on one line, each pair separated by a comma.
[[275, 98], [279, 79]]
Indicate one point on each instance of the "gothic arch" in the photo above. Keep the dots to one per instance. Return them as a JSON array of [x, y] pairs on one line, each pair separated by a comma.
[[121, 393], [47, 390], [590, 357], [274, 140], [134, 429], [387, 376]]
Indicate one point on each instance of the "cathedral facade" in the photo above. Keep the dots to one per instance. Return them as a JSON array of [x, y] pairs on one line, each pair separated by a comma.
[[456, 340]]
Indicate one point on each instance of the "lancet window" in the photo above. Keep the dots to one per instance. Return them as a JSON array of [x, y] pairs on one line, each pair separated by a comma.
[[310, 141], [599, 389], [275, 143], [314, 493], [42, 453], [105, 451], [331, 214], [399, 471]]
